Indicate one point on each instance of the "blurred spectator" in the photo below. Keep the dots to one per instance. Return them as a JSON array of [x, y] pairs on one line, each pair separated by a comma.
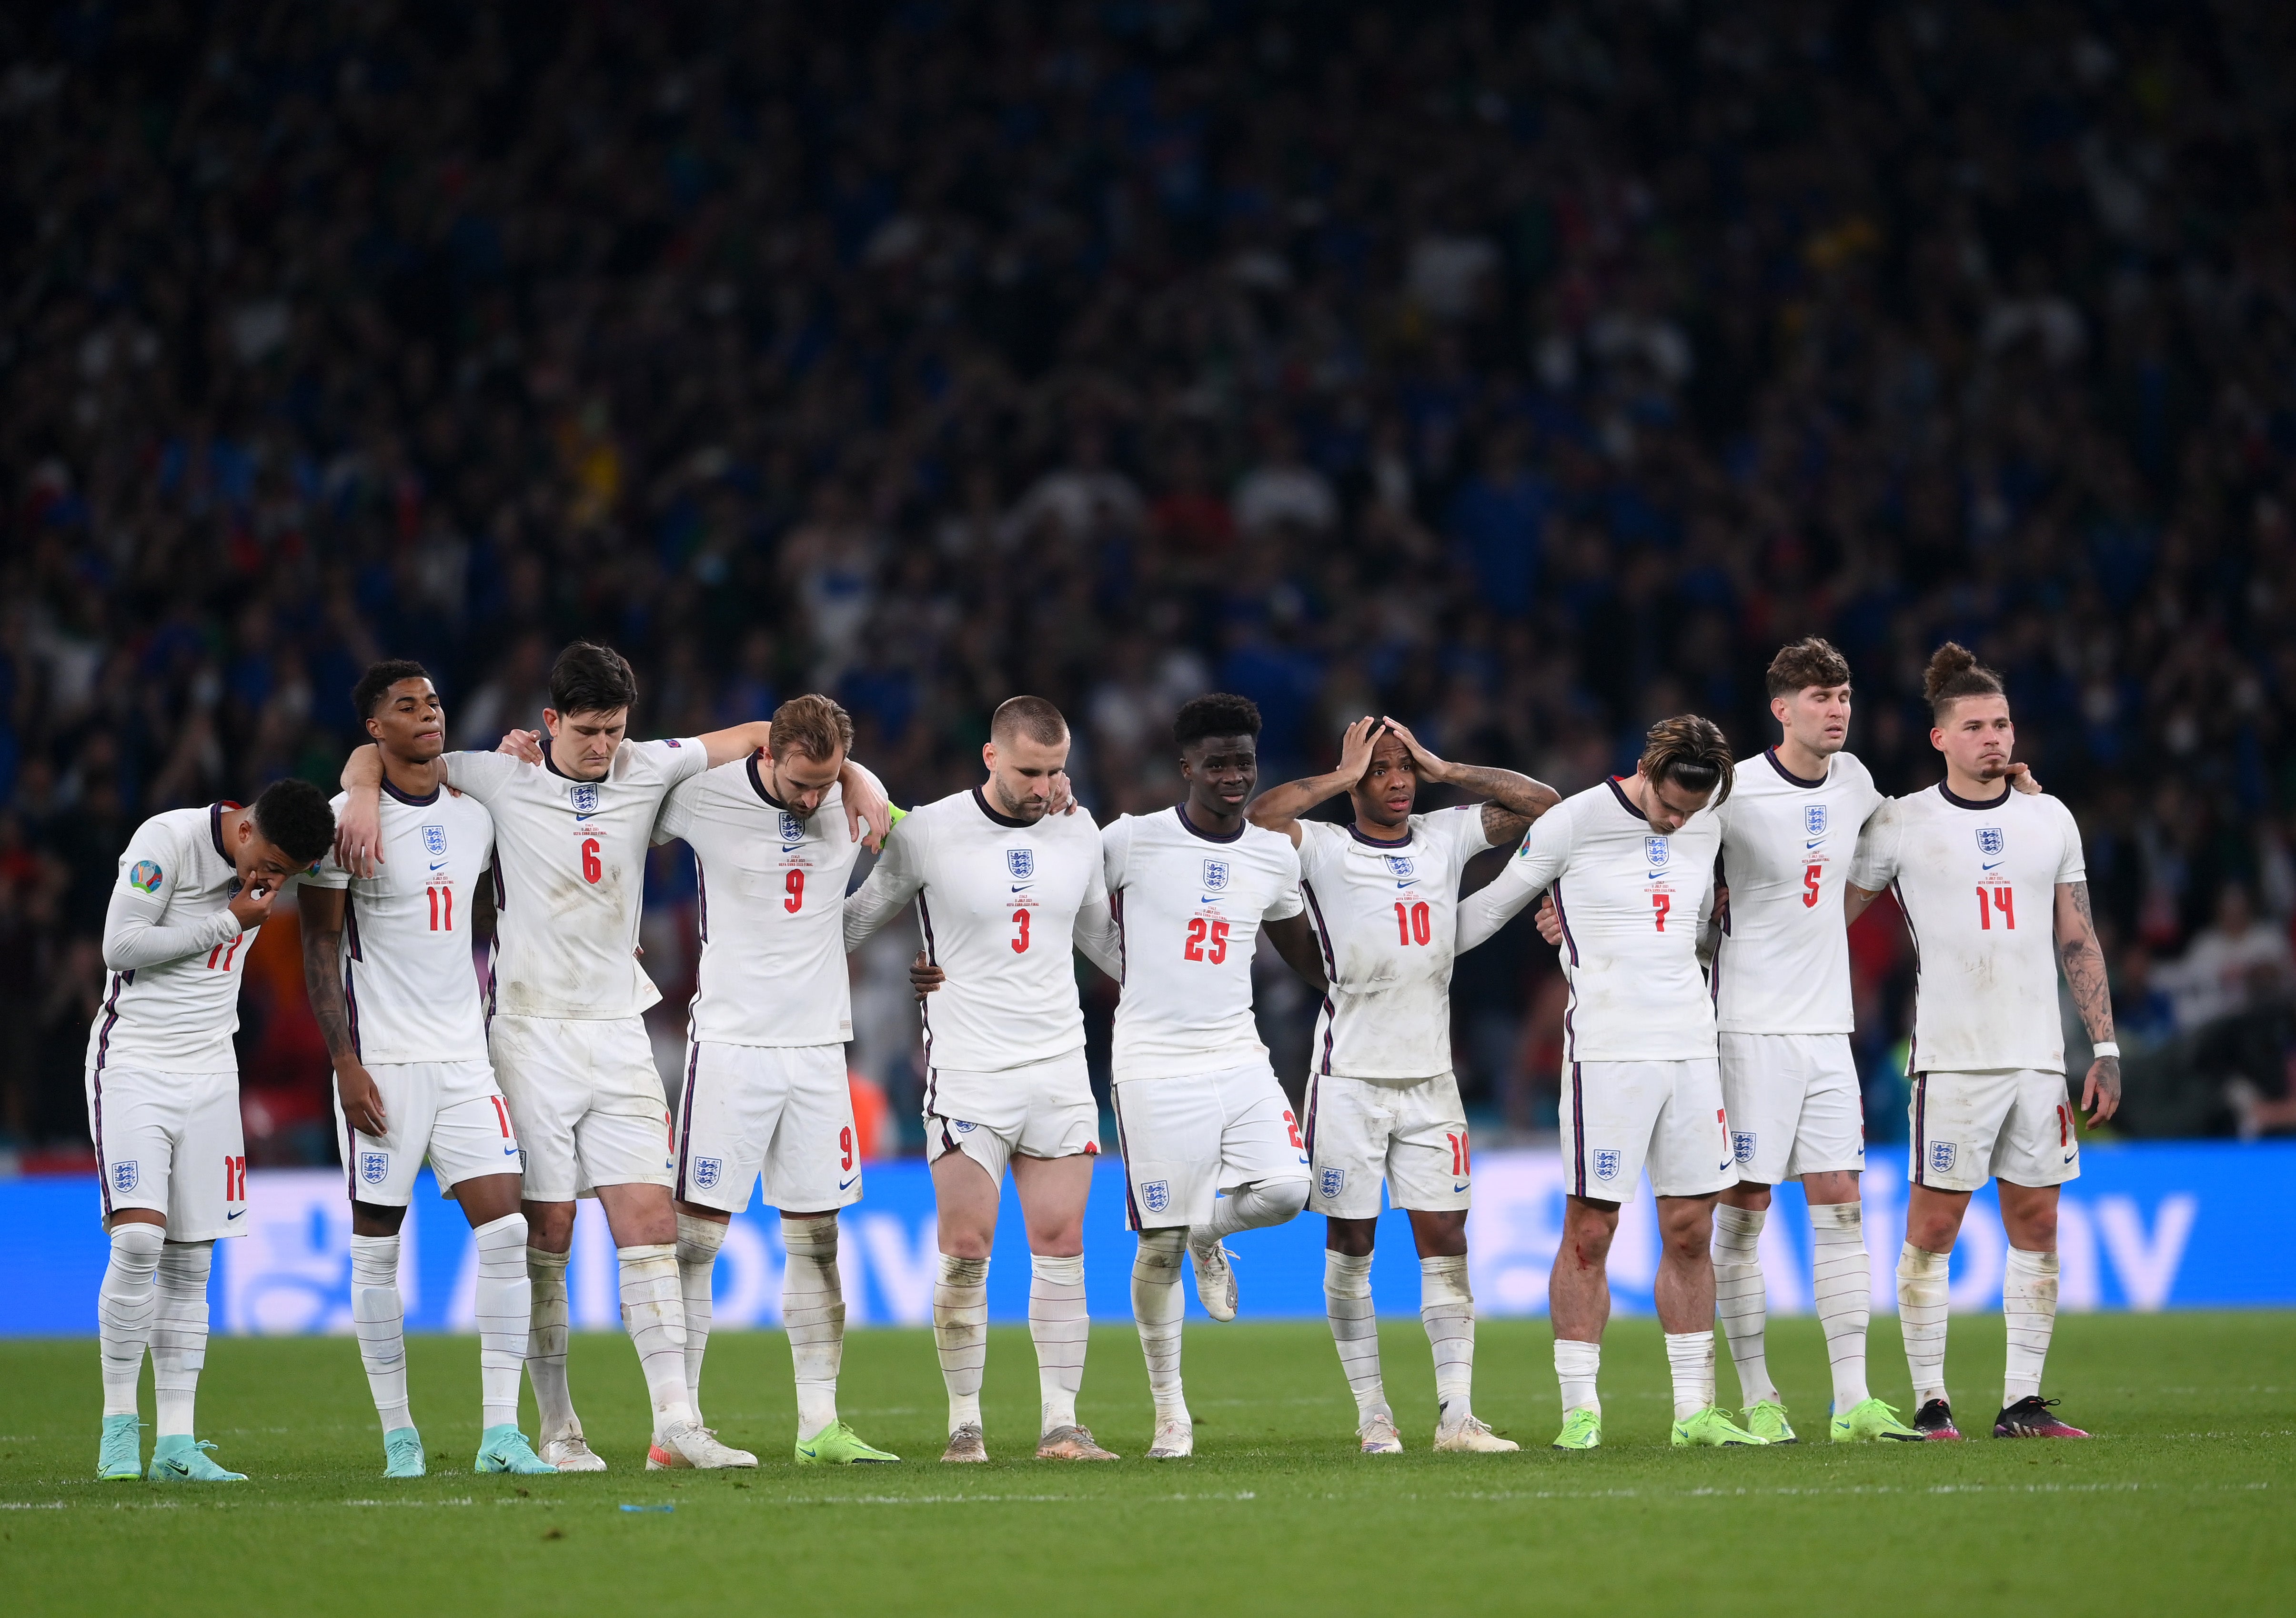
[[2238, 961]]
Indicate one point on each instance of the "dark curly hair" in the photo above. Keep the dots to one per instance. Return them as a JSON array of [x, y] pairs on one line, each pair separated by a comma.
[[293, 818], [1219, 713]]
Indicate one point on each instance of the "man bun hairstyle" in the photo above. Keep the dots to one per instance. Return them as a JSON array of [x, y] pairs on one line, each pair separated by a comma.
[[375, 684], [591, 678], [293, 816], [1811, 661], [1031, 717], [1219, 713], [1955, 673], [1691, 752], [813, 725]]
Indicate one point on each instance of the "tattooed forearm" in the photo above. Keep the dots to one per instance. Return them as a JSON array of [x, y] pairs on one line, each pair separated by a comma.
[[2083, 961], [322, 982], [1512, 801]]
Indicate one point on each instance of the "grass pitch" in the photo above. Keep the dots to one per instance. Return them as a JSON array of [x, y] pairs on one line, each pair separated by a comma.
[[2183, 1498]]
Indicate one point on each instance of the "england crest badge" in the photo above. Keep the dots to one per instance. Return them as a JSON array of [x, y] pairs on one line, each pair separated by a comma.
[[1022, 863]]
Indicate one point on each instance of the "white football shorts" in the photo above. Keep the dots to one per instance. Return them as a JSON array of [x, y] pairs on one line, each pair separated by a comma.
[[1186, 1140], [782, 1113], [170, 1142], [1620, 1118], [1363, 1133], [449, 1112], [586, 1101], [2012, 1123], [1795, 1105], [1042, 1109]]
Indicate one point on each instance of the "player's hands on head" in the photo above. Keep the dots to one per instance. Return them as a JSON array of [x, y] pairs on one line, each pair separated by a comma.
[[362, 1101], [2022, 777], [2101, 1090], [524, 745], [1431, 767], [924, 977], [1354, 747], [1550, 920], [250, 907]]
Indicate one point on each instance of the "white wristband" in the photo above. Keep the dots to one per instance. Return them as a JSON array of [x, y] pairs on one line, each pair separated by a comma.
[[2102, 1048]]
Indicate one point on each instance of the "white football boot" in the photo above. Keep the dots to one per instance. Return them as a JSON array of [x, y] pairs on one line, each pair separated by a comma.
[[1215, 1276], [682, 1444], [1468, 1436], [1379, 1435], [1175, 1441], [569, 1452]]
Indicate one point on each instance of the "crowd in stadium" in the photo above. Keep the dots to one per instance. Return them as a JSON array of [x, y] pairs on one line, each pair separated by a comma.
[[1527, 375]]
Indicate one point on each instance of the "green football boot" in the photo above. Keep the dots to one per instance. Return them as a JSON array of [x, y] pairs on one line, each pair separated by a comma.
[[504, 1448], [1582, 1429], [1871, 1419], [1766, 1420], [120, 1456], [179, 1458], [402, 1453], [1711, 1428], [839, 1445]]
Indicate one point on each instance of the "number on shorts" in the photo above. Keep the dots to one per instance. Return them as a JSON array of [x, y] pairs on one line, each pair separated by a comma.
[[1292, 1127], [591, 869], [793, 884], [1459, 1159], [1411, 924], [1200, 931], [1660, 903], [501, 1116], [1809, 879], [442, 906], [234, 1179], [845, 1146], [1021, 933], [2004, 901]]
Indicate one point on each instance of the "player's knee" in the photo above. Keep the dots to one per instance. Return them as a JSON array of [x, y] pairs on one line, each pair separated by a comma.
[[1281, 1199], [1350, 1238]]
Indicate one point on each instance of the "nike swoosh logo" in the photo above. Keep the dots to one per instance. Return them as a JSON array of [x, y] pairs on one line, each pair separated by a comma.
[[1022, 887], [847, 1185], [1813, 842], [1459, 1187], [177, 1467], [1412, 884], [439, 867], [2071, 1155], [1994, 866], [233, 1214], [510, 1151]]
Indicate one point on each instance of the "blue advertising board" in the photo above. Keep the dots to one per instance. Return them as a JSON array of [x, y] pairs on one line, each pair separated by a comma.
[[2146, 1227]]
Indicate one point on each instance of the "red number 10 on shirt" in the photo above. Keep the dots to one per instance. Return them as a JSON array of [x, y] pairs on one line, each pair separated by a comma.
[[1411, 923]]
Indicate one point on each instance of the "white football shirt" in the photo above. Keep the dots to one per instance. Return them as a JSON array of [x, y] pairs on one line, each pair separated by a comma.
[[1384, 914], [407, 981], [998, 904], [171, 1004], [1631, 902], [1188, 909], [1783, 965], [1978, 883], [569, 876], [773, 909]]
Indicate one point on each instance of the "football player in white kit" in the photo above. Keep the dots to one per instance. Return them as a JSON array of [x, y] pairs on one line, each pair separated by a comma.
[[1383, 1106], [1211, 1144], [399, 1010], [1781, 987], [766, 1100], [195, 887], [1631, 866], [1995, 892], [565, 1023], [1005, 885]]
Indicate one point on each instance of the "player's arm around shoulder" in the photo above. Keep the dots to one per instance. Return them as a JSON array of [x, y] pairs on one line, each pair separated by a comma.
[[1543, 856], [1874, 865], [897, 878]]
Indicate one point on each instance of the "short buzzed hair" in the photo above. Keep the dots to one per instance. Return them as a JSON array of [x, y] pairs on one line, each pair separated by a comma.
[[814, 724], [1811, 661], [375, 684], [1031, 717], [1690, 751]]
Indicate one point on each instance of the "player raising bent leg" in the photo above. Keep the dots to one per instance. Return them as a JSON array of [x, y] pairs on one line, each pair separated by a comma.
[[1383, 1104]]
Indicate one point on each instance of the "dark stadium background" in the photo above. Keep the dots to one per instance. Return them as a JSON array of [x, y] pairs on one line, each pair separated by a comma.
[[1525, 371]]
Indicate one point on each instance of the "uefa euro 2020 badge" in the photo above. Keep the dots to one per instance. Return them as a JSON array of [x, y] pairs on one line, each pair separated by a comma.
[[145, 877]]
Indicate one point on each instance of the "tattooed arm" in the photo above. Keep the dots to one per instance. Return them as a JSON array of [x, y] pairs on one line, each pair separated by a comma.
[[2084, 965], [322, 982], [1511, 802]]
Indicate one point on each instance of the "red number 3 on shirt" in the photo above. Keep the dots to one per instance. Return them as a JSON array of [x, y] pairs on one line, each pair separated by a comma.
[[1021, 932]]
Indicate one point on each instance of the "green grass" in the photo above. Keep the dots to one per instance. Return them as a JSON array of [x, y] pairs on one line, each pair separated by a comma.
[[2183, 1497]]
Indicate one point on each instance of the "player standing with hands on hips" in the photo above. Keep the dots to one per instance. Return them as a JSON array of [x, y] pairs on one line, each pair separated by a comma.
[[1995, 889]]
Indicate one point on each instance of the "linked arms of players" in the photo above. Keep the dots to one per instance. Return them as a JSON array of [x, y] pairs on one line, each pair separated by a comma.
[[321, 911], [2084, 965], [1531, 872]]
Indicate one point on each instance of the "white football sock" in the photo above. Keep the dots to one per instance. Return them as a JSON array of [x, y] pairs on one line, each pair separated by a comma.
[[1058, 1326], [180, 1334], [379, 1320], [1738, 1303], [1355, 1330], [1842, 1278], [1158, 1305], [1922, 1301], [1690, 1356], [2029, 1298], [501, 1301], [698, 1242], [654, 1315], [1446, 1307], [1577, 1366], [1253, 1207], [813, 1313], [961, 1334], [546, 1344], [125, 1306]]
